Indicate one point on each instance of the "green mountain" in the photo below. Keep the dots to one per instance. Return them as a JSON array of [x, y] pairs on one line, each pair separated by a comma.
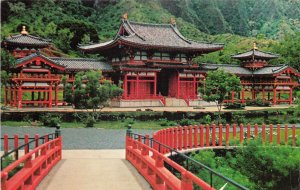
[[235, 23]]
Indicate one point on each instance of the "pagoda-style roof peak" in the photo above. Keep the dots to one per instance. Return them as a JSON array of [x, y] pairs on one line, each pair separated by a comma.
[[255, 54], [160, 37], [25, 40]]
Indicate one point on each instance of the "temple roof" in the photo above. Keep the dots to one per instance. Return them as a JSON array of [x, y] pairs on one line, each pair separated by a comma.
[[26, 40], [153, 36], [82, 63], [255, 54], [238, 70], [70, 64]]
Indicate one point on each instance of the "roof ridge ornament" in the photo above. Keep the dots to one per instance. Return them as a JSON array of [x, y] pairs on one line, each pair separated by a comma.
[[24, 32], [125, 16], [254, 46], [173, 21]]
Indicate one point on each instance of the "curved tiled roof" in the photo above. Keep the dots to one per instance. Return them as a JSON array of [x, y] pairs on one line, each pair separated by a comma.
[[155, 36], [81, 63], [26, 40], [255, 54], [70, 63]]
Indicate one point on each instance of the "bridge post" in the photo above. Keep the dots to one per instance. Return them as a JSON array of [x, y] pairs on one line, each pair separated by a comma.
[[4, 177], [5, 143], [220, 135], [241, 133], [207, 135], [57, 131], [227, 134]]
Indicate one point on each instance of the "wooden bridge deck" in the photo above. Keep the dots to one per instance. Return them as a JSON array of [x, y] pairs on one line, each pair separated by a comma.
[[93, 169]]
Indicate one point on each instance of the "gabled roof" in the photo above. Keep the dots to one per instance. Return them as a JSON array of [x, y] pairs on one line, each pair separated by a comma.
[[69, 64], [255, 54], [234, 69], [239, 70], [26, 60], [26, 40], [153, 36], [82, 63]]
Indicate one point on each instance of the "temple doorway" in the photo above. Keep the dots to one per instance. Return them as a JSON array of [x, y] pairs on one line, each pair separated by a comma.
[[167, 82]]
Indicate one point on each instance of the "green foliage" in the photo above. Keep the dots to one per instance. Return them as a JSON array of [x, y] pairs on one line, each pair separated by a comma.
[[254, 166], [50, 120], [217, 85], [7, 60]]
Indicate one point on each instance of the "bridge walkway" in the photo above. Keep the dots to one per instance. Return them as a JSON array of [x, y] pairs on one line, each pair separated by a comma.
[[93, 169]]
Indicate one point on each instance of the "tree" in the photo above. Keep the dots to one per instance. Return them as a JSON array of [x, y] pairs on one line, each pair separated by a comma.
[[90, 94], [7, 60], [217, 85]]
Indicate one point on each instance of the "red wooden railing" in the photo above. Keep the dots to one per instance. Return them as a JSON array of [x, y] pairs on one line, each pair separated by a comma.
[[148, 155], [34, 165], [150, 163], [190, 137]]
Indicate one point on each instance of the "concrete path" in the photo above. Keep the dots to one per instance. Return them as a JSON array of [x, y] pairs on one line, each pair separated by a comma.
[[93, 169]]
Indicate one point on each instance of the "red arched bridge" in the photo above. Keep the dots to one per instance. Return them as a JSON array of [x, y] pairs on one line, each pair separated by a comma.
[[25, 166]]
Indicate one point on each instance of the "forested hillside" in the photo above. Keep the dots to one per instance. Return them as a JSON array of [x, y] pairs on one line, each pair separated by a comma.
[[272, 23]]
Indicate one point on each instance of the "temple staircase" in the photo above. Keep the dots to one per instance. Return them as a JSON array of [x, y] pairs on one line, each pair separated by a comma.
[[174, 102]]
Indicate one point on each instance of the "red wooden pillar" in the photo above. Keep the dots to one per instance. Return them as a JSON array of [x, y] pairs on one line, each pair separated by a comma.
[[243, 96], [5, 95], [274, 95], [155, 83], [185, 137], [248, 131], [26, 148], [294, 134], [201, 136], [271, 133], [5, 143], [241, 133], [213, 135], [227, 134], [175, 138], [194, 87], [190, 136], [180, 138], [220, 135], [253, 94], [178, 85], [137, 85], [291, 95], [207, 135], [234, 131], [278, 134], [232, 96], [36, 144], [263, 133], [255, 130], [50, 96], [20, 97], [125, 86], [195, 136]]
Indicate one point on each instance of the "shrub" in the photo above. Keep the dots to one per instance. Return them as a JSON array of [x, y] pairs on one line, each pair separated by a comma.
[[235, 105], [90, 121], [50, 120]]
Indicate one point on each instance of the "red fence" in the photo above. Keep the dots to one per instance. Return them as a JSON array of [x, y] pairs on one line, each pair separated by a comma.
[[148, 154], [189, 137], [150, 163], [27, 171]]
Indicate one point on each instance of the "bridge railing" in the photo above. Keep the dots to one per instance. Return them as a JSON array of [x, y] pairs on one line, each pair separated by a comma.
[[164, 173], [198, 136], [26, 172]]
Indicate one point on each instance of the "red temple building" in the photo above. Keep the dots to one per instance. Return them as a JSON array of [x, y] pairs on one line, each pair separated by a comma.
[[37, 79], [153, 63]]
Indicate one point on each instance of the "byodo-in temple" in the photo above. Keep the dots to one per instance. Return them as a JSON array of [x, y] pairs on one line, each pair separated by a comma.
[[152, 62]]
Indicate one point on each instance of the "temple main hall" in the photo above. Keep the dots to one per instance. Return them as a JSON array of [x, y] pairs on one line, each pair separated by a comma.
[[153, 63]]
